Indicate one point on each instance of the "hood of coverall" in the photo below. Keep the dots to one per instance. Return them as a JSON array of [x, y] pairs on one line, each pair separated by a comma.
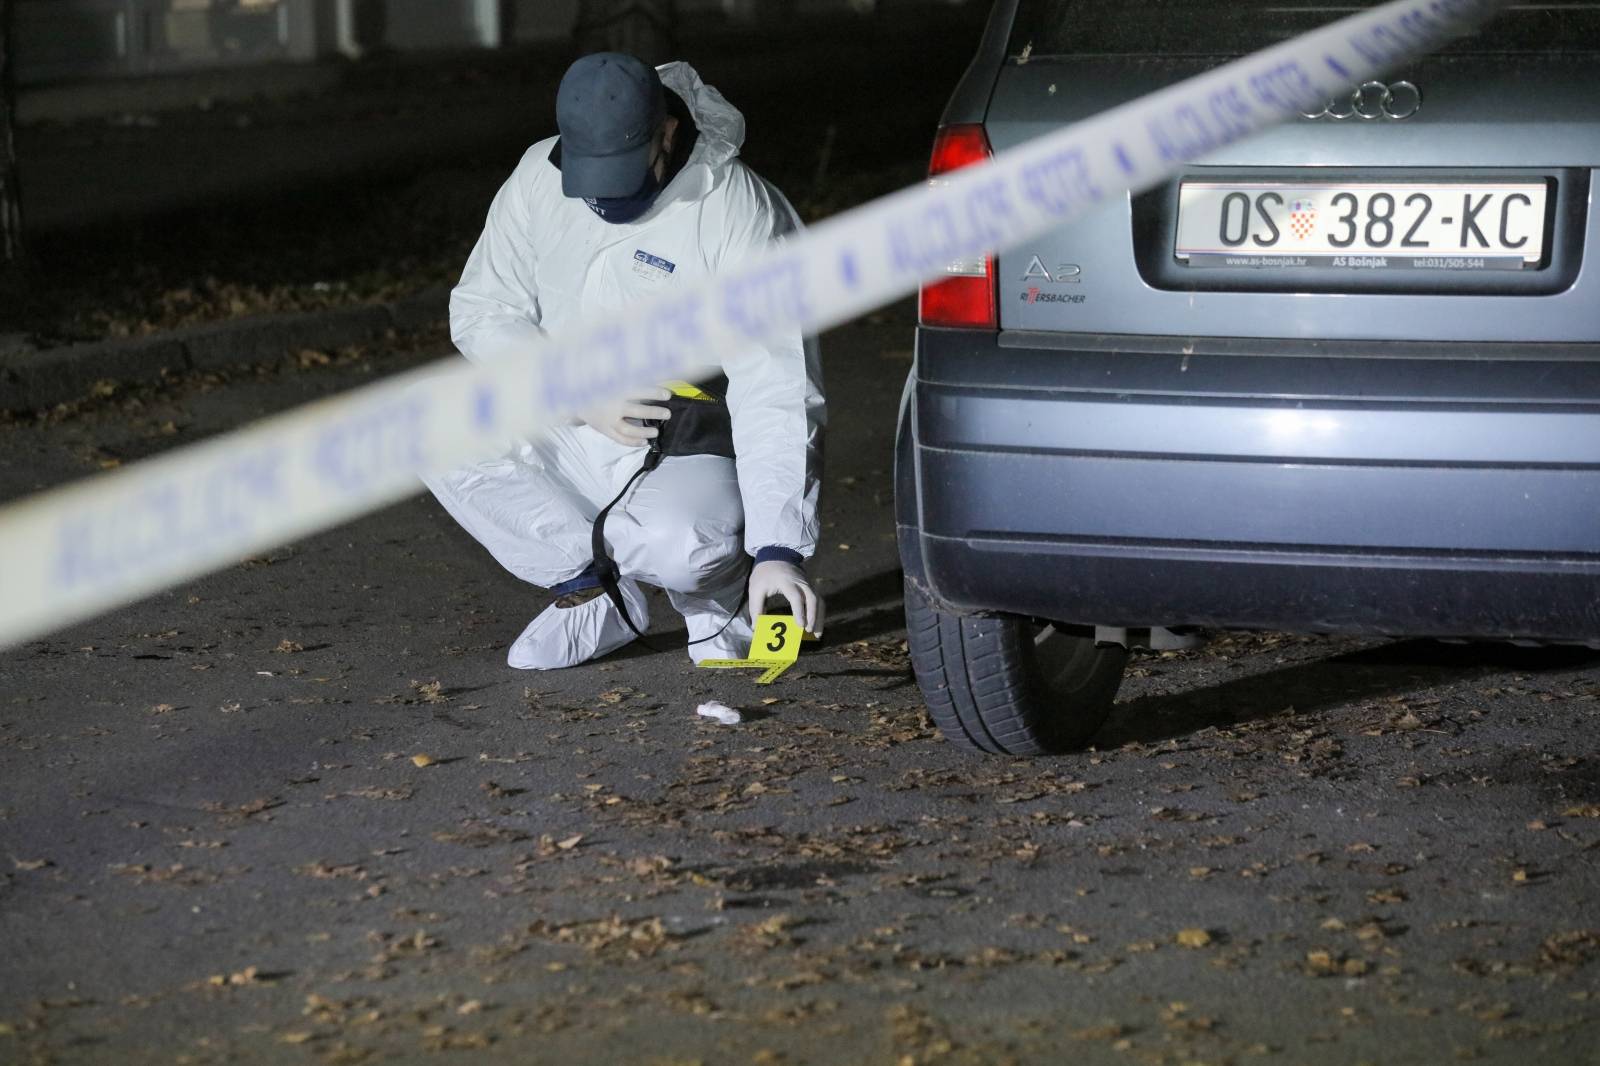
[[721, 127]]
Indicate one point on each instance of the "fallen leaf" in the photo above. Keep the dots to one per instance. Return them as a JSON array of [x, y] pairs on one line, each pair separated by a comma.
[[1571, 948], [1372, 932], [376, 793], [323, 872], [422, 760], [1193, 938], [479, 834], [247, 810], [1320, 963], [250, 975]]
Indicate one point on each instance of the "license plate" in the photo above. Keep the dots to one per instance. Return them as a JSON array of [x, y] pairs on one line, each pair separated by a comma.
[[1394, 225]]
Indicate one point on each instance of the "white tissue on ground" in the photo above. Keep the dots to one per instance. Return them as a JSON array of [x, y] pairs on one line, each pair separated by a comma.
[[720, 711]]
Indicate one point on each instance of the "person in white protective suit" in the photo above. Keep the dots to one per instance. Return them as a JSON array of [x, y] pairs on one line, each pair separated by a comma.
[[641, 193]]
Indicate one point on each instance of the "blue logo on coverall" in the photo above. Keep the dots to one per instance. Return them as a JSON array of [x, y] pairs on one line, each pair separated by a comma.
[[654, 261]]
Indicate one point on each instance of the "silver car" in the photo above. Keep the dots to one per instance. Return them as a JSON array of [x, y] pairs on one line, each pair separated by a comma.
[[1343, 377]]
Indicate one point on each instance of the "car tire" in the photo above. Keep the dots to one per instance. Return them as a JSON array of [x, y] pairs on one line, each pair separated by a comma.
[[1009, 685]]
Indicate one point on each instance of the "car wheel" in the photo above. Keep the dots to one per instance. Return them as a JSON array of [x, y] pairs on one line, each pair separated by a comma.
[[1009, 685]]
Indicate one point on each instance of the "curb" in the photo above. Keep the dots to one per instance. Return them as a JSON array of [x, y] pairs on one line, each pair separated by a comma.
[[31, 381]]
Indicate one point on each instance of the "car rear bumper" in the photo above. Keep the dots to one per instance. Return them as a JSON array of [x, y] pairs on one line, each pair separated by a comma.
[[1371, 488]]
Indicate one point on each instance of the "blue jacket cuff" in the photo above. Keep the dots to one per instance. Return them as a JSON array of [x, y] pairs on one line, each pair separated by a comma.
[[774, 553]]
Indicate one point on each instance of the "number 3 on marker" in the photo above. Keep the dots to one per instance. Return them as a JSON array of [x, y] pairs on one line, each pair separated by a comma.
[[778, 631]]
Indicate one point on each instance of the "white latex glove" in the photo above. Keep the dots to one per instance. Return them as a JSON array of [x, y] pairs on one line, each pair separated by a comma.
[[612, 418], [777, 578]]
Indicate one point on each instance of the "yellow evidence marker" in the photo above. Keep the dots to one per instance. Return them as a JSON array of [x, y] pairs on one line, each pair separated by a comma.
[[774, 648], [688, 391]]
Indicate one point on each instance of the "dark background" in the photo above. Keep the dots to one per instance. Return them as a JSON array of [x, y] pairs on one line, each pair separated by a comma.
[[184, 197]]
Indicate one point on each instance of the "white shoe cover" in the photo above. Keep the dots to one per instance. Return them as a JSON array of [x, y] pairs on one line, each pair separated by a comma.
[[566, 636], [732, 643]]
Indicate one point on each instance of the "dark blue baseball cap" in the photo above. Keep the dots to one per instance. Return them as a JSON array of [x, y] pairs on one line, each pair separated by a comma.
[[608, 108]]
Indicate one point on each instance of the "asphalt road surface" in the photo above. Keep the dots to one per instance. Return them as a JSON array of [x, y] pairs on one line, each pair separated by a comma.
[[217, 843]]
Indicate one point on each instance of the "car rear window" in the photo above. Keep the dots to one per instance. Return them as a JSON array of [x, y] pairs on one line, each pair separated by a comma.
[[1234, 27]]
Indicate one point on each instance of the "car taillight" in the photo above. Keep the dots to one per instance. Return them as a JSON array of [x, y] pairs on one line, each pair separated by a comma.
[[966, 296]]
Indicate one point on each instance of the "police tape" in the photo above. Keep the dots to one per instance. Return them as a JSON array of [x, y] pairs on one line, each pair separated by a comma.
[[71, 552]]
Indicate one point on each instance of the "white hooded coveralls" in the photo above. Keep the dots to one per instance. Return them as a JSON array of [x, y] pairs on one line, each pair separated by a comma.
[[545, 262]]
